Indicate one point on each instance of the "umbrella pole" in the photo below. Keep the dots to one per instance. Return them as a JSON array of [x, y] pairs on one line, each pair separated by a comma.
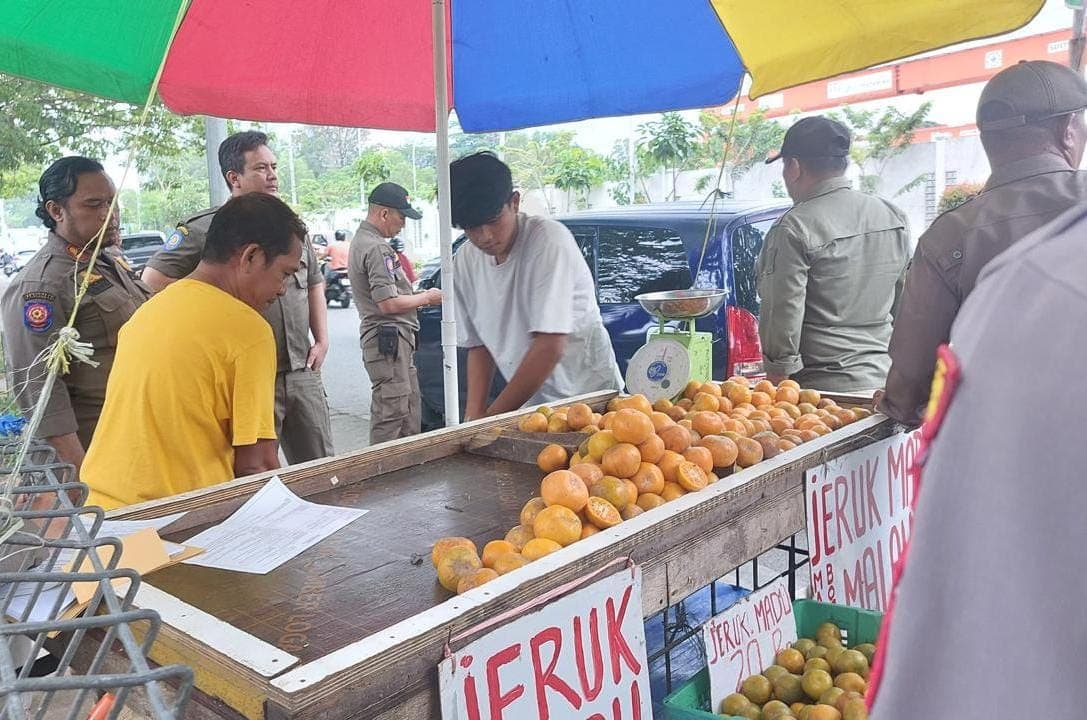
[[441, 127]]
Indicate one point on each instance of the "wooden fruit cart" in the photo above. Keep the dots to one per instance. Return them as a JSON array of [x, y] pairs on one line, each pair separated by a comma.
[[355, 627]]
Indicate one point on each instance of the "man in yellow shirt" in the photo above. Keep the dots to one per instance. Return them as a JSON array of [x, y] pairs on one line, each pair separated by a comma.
[[191, 403]]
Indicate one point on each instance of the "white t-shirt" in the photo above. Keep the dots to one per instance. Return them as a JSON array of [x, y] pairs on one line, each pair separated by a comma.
[[543, 287]]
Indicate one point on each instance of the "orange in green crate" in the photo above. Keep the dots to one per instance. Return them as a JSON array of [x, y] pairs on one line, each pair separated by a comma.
[[859, 629]]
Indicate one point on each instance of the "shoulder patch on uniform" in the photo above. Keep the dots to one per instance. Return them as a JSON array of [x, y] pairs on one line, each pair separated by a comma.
[[176, 238], [390, 265], [38, 314], [945, 381], [39, 295]]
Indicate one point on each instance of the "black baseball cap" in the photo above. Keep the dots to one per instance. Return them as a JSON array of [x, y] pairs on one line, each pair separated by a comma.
[[815, 136], [394, 196], [1028, 92]]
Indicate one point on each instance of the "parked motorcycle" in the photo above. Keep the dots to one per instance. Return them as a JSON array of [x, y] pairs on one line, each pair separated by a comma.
[[8, 264], [337, 286]]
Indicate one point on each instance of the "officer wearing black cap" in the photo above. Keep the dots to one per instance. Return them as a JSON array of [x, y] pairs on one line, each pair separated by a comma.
[[1032, 128], [830, 269], [388, 321]]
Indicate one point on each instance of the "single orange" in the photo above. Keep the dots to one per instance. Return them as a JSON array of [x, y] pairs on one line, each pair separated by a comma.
[[563, 487], [660, 420], [473, 580], [668, 464], [533, 422], [446, 544], [812, 397], [631, 511], [553, 457], [611, 489], [579, 415], [722, 450], [454, 564], [790, 383], [518, 536], [672, 491], [599, 443], [557, 423], [749, 452], [589, 472], [691, 477], [676, 438], [652, 449], [765, 386], [621, 460], [588, 529], [788, 394], [495, 548], [531, 509], [707, 423], [536, 548], [692, 388], [509, 562], [710, 388], [632, 426], [724, 405], [648, 501], [700, 456], [558, 523], [602, 513], [648, 479]]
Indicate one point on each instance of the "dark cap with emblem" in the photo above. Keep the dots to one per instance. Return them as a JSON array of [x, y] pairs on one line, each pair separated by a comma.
[[394, 196], [815, 136], [1028, 92]]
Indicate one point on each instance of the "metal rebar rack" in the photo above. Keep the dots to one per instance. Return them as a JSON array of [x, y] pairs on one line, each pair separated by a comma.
[[100, 651]]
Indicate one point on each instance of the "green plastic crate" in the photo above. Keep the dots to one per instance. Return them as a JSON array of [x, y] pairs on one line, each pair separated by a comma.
[[691, 700]]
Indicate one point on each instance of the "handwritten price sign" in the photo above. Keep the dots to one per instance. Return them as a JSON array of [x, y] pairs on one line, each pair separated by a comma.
[[744, 639], [859, 518]]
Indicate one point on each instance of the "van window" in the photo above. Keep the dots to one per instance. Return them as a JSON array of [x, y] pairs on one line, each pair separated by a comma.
[[633, 260], [746, 245], [585, 237]]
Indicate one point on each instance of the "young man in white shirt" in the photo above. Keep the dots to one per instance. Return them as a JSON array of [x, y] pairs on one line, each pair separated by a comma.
[[526, 301]]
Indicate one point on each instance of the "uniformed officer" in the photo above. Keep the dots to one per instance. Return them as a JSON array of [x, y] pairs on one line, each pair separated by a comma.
[[74, 198], [302, 420], [1032, 128], [388, 321], [986, 614], [830, 269]]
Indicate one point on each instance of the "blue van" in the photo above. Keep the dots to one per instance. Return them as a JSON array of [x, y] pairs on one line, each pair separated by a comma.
[[637, 249]]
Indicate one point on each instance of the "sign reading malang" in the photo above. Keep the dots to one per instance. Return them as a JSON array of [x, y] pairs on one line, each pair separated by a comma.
[[582, 656], [743, 640], [859, 509]]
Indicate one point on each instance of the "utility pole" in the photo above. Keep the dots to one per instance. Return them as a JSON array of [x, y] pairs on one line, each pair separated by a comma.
[[215, 134], [1075, 47], [290, 161]]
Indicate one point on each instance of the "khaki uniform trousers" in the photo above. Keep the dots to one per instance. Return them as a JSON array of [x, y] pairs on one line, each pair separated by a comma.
[[302, 422], [395, 409]]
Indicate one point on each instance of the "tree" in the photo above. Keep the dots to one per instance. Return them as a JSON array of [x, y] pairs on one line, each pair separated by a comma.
[[753, 139], [578, 171], [878, 138], [533, 158], [329, 148], [668, 144]]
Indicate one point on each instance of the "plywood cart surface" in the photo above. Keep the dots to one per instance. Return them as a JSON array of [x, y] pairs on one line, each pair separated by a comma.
[[355, 626]]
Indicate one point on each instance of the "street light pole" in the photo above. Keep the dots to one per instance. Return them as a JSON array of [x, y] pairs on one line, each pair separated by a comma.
[[214, 135], [1075, 47]]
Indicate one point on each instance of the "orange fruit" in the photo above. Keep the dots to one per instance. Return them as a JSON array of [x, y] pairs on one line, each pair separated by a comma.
[[784, 444], [676, 438], [738, 394], [700, 456], [454, 564], [668, 464], [632, 426], [531, 509], [787, 393], [621, 460], [662, 405], [724, 405], [791, 659], [557, 423], [824, 712], [764, 386], [558, 523], [563, 487], [676, 412], [533, 422], [652, 449], [691, 477], [705, 401], [812, 397], [851, 681], [711, 478], [521, 534], [660, 420], [495, 548], [648, 501], [672, 491], [722, 450], [599, 443], [552, 458], [611, 489], [749, 452], [634, 402], [446, 544], [602, 513], [790, 383], [707, 423], [596, 419], [780, 425], [588, 472], [693, 388], [509, 562], [475, 579], [588, 529], [605, 420], [579, 415], [806, 408], [710, 388], [536, 548], [648, 479], [631, 511], [632, 492], [761, 399]]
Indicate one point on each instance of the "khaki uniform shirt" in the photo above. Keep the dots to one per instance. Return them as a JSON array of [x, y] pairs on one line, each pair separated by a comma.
[[39, 302], [376, 275], [288, 315], [1018, 199], [829, 275], [993, 579]]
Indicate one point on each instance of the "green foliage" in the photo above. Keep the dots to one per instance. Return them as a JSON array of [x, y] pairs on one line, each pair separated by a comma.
[[880, 137], [955, 195], [578, 171], [754, 138], [173, 187], [667, 144]]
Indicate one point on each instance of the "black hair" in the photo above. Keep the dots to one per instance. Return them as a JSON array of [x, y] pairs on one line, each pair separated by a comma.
[[480, 185], [232, 150], [253, 218], [341, 235], [59, 181], [825, 165]]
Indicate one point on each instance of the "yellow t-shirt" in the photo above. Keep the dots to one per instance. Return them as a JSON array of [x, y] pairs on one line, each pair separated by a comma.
[[194, 377]]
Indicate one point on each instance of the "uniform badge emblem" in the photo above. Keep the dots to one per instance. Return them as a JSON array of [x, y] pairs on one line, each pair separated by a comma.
[[176, 238], [390, 265], [38, 315]]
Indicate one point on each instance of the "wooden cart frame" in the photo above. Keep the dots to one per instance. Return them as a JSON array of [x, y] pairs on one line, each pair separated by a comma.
[[681, 547]]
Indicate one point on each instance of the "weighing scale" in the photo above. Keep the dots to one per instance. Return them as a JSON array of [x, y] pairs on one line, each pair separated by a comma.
[[673, 356]]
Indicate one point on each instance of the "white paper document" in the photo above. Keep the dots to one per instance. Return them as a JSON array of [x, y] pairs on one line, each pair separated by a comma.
[[274, 526]]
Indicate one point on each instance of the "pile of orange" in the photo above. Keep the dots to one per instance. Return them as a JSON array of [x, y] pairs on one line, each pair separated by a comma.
[[638, 456]]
